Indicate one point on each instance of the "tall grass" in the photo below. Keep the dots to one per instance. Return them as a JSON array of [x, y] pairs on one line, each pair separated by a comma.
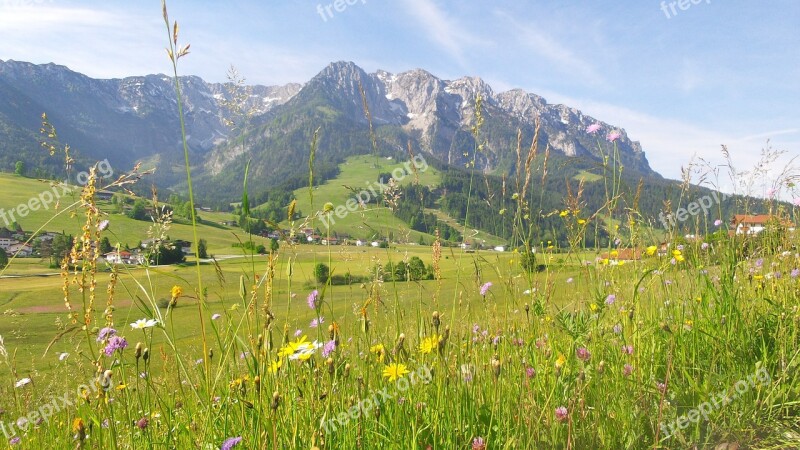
[[588, 353]]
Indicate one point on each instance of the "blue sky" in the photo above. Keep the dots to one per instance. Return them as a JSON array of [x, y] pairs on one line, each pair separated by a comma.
[[682, 83]]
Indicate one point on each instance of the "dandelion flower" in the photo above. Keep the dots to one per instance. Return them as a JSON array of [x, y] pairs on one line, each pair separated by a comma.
[[176, 291], [651, 250], [560, 361], [429, 344], [141, 324], [395, 371]]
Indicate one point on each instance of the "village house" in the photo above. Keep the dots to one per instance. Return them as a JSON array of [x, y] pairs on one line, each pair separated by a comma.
[[747, 224]]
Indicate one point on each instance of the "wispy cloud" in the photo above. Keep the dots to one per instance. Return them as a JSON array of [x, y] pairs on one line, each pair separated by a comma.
[[441, 29], [547, 47]]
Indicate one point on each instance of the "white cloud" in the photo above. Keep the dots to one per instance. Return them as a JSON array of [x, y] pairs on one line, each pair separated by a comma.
[[441, 29]]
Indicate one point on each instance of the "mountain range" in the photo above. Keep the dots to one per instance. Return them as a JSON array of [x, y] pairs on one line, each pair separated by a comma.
[[135, 119]]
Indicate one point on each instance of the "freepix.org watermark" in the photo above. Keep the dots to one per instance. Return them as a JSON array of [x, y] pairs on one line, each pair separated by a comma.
[[373, 190], [50, 197], [703, 204], [327, 11], [717, 401], [422, 374], [683, 5]]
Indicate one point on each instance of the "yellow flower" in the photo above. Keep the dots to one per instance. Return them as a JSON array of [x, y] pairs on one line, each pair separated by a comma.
[[395, 371], [679, 258], [651, 250], [676, 253], [699, 299], [604, 262], [560, 361], [77, 425], [429, 344], [564, 213], [622, 263], [121, 387], [581, 221], [275, 365], [379, 350], [593, 307], [614, 253], [176, 291], [292, 347]]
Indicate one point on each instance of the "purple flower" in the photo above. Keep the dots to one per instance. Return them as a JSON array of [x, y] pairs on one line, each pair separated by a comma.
[[627, 349], [103, 225], [297, 333], [617, 329], [230, 443], [496, 340], [115, 343], [530, 372], [759, 262], [717, 223], [478, 444], [611, 299], [704, 246], [485, 288], [680, 247], [105, 333], [15, 440], [661, 387], [778, 275], [593, 128], [583, 354], [317, 322], [476, 328], [795, 273], [142, 423], [313, 299], [561, 413], [329, 347], [627, 370], [613, 136]]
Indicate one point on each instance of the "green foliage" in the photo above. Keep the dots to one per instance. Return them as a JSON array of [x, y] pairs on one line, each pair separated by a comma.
[[202, 249], [139, 210], [321, 272], [19, 168], [3, 259], [167, 254]]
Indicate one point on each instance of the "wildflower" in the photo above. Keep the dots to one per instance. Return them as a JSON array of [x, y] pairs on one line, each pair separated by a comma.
[[717, 223], [231, 442], [105, 333], [561, 413], [141, 324], [570, 280], [627, 349], [429, 344], [583, 354], [593, 128], [395, 371], [651, 250], [298, 332], [611, 299], [560, 360], [114, 344], [530, 372], [661, 387], [176, 291], [617, 329], [329, 347], [316, 322], [142, 423], [795, 273], [593, 306], [627, 370], [759, 262], [63, 356], [564, 213], [313, 298], [79, 429], [614, 253], [215, 316], [22, 382], [275, 365], [478, 444], [613, 136], [581, 221], [485, 288], [15, 440]]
